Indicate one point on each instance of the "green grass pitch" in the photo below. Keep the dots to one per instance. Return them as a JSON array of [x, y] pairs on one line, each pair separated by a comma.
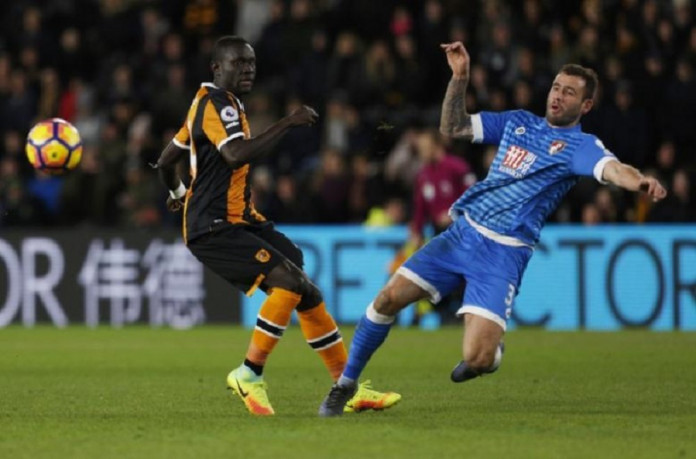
[[138, 392]]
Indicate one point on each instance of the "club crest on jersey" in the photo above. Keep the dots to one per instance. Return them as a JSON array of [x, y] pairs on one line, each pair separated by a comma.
[[517, 161], [520, 130], [556, 146], [262, 256]]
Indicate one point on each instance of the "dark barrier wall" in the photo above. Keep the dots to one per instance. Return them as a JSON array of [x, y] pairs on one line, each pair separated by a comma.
[[600, 278], [118, 278]]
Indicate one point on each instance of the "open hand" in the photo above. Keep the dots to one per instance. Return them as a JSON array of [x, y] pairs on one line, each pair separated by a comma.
[[457, 58]]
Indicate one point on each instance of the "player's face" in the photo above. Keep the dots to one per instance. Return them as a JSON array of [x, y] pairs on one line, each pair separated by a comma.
[[566, 101], [236, 70]]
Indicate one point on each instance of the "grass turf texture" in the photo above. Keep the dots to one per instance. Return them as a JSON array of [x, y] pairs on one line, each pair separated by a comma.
[[139, 392]]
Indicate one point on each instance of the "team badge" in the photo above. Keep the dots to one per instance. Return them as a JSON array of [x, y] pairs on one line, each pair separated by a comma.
[[556, 147], [263, 256], [520, 130]]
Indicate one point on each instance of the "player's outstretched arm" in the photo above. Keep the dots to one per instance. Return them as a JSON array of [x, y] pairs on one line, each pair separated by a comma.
[[630, 178], [454, 120], [242, 151], [166, 169]]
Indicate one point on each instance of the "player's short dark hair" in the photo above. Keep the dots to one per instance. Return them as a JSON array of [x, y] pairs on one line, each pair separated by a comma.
[[223, 44], [587, 74]]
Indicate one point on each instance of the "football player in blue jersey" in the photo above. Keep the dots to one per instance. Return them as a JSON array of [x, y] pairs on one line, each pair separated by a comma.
[[496, 222]]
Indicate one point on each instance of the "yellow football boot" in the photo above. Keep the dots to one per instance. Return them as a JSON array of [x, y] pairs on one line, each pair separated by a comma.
[[252, 393], [366, 398]]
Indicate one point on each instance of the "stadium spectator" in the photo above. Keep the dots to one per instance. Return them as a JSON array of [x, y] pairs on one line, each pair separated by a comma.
[[402, 163], [137, 202], [680, 107], [559, 50], [17, 207], [314, 50], [309, 76], [432, 30], [377, 76], [442, 178], [286, 206], [84, 197], [365, 189], [625, 127], [330, 189], [20, 106], [270, 44], [409, 80], [298, 151], [678, 207], [590, 215], [344, 64]]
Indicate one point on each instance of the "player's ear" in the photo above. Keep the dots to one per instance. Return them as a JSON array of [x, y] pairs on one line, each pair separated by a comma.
[[215, 67], [586, 106]]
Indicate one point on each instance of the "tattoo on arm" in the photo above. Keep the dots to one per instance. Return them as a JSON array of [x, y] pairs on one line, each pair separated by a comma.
[[454, 120]]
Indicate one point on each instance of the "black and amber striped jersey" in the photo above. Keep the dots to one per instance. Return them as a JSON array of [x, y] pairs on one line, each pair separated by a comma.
[[217, 192]]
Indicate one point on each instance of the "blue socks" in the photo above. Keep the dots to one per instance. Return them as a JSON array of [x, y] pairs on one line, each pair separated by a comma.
[[371, 332]]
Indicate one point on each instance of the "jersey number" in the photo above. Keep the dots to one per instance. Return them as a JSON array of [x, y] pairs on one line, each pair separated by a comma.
[[510, 295]]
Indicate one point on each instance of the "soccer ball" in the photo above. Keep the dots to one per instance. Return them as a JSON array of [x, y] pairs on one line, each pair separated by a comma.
[[54, 146]]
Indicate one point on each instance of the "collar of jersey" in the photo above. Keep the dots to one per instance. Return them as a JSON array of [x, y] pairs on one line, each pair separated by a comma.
[[577, 127], [214, 86]]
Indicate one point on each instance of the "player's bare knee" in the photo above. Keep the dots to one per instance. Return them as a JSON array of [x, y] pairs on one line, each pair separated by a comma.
[[387, 302], [286, 276], [480, 359], [311, 296]]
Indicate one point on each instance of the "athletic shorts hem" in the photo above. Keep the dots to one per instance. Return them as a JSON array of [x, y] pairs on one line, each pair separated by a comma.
[[482, 312], [435, 296]]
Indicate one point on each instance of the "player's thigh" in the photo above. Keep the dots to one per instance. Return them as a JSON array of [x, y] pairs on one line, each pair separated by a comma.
[[282, 243], [493, 281], [238, 256], [399, 292], [438, 266]]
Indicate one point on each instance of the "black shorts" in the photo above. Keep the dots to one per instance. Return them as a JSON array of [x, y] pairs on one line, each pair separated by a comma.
[[243, 255]]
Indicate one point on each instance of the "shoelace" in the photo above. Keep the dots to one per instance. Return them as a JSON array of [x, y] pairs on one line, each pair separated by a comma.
[[366, 384], [366, 392]]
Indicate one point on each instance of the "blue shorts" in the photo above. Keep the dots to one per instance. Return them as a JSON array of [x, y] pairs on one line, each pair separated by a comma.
[[492, 271]]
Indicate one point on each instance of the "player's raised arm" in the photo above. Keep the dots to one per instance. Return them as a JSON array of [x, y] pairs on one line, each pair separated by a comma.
[[242, 151], [454, 120], [630, 178]]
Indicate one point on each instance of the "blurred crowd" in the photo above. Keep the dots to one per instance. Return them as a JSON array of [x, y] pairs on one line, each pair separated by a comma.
[[125, 71]]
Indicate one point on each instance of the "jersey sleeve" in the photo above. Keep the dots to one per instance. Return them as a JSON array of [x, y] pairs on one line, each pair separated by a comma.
[[182, 138], [221, 121], [488, 127], [590, 158]]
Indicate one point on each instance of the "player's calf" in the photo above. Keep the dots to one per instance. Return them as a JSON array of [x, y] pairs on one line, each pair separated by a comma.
[[474, 367]]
